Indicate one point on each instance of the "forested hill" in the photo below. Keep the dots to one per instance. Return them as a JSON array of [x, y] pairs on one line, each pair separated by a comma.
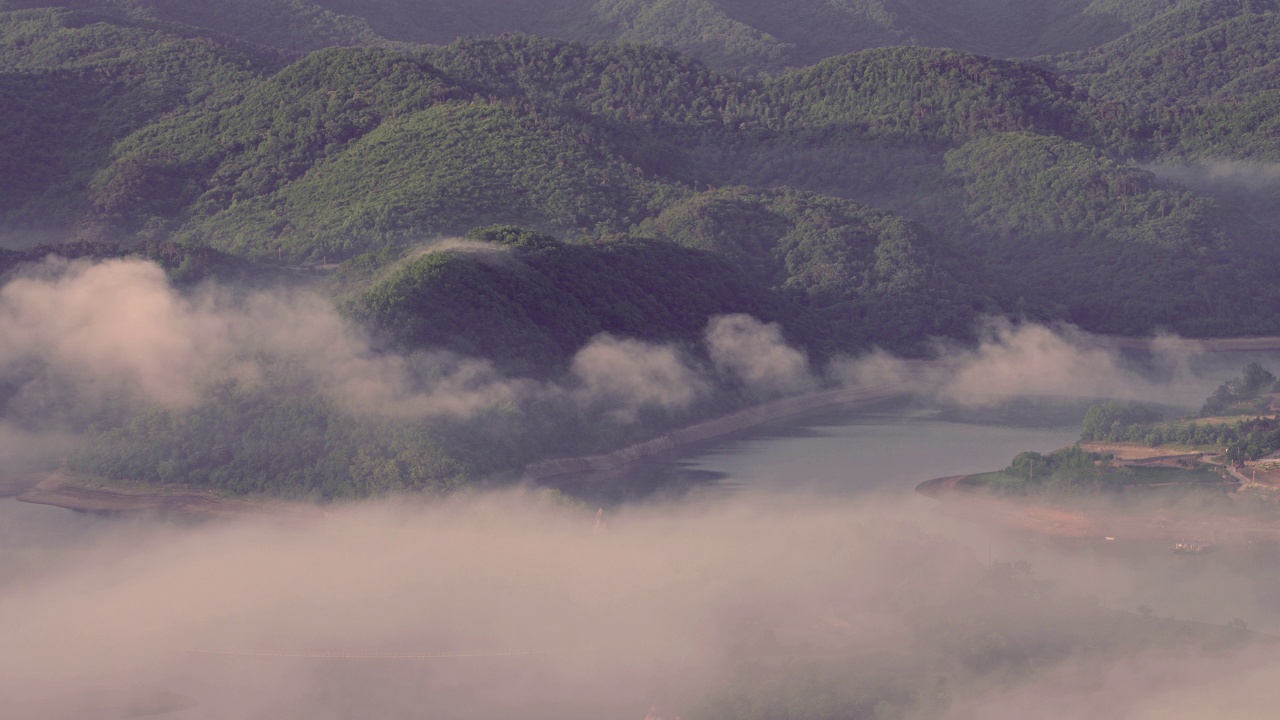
[[857, 187], [1202, 80]]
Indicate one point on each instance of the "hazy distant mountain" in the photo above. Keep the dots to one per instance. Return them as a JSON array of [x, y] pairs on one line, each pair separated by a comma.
[[728, 34]]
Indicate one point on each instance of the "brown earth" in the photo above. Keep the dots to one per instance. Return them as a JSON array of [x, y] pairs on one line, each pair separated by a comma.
[[1124, 451], [60, 490], [1266, 475]]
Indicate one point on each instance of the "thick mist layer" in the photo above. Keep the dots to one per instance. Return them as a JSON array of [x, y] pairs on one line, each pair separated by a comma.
[[756, 354], [1027, 360], [510, 606]]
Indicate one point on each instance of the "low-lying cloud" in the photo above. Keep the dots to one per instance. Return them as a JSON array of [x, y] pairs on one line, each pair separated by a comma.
[[108, 327], [76, 336], [1014, 361], [1026, 360], [117, 330], [1239, 173], [100, 332], [628, 374], [756, 354], [81, 340], [507, 606]]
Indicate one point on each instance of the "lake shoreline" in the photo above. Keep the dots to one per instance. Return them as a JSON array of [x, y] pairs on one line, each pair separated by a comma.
[[59, 489], [63, 490]]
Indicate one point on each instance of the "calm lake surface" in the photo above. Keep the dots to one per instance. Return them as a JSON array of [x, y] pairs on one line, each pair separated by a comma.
[[883, 450]]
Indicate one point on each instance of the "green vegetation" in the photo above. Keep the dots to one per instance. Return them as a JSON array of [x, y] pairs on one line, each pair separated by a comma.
[[1248, 393], [277, 440], [1075, 473], [1009, 170], [743, 35], [185, 265], [1194, 81], [214, 158], [530, 302], [863, 173], [284, 434], [1106, 421], [1064, 471], [1248, 437], [428, 174], [1055, 213], [922, 94], [73, 86], [869, 276]]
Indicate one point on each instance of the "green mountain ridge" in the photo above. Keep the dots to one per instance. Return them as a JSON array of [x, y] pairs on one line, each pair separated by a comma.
[[351, 150], [69, 77]]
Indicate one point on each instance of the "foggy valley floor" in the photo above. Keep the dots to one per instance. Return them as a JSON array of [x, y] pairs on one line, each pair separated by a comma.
[[815, 573]]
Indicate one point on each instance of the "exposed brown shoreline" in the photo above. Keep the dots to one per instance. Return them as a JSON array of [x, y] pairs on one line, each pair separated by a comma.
[[938, 487], [61, 490]]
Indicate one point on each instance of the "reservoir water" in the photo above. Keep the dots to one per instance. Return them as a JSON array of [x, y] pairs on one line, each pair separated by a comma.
[[882, 450]]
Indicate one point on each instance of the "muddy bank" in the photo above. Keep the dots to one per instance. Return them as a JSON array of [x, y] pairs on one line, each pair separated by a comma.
[[972, 504], [938, 487], [752, 417], [60, 490]]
